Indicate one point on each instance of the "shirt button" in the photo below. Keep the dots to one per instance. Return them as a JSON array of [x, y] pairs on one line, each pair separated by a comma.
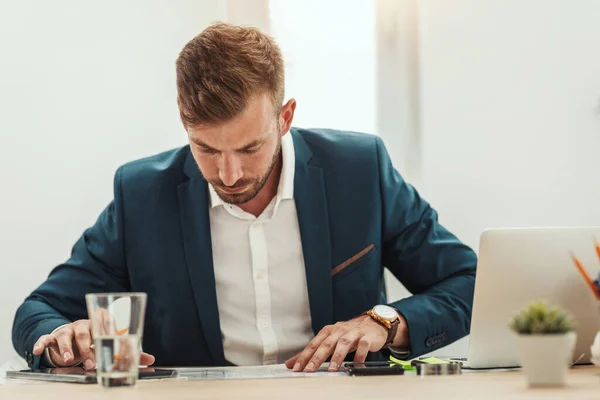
[[259, 275]]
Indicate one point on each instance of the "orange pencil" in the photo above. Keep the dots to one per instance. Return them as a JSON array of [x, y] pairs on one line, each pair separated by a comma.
[[597, 248], [585, 275]]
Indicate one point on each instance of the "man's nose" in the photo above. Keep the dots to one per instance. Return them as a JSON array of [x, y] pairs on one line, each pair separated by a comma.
[[230, 170]]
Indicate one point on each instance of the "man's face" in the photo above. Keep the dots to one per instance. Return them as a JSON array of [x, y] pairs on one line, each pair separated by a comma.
[[238, 156]]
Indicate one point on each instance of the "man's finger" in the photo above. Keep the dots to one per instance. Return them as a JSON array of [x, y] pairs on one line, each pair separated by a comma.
[[64, 338], [83, 340], [362, 350], [291, 361], [310, 349], [146, 359], [42, 343], [325, 350], [344, 345]]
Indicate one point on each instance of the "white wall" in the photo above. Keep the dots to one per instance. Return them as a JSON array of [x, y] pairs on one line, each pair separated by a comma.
[[329, 49], [84, 87], [398, 90], [510, 113]]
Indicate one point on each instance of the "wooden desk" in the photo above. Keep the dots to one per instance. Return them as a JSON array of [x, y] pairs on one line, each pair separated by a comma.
[[584, 383]]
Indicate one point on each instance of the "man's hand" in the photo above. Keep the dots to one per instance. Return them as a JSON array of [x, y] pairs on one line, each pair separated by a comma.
[[72, 343], [361, 334]]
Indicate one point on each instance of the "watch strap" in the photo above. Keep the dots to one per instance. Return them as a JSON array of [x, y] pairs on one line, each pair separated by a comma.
[[392, 332], [392, 328]]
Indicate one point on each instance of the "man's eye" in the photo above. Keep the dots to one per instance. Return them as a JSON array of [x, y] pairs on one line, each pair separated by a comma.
[[250, 150], [204, 150]]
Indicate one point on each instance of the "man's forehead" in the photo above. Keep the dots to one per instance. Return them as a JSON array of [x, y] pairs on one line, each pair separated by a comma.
[[253, 123], [224, 137]]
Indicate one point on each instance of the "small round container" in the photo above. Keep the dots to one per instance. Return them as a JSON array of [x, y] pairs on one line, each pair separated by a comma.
[[453, 368]]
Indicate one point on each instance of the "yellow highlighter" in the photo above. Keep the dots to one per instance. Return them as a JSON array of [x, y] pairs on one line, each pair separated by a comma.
[[405, 364], [433, 360]]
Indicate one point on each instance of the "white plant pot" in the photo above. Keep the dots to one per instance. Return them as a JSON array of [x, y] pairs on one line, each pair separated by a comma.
[[595, 350], [545, 359]]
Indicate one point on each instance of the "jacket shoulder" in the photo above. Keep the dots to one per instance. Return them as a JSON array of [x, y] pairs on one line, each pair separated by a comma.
[[162, 167], [339, 147]]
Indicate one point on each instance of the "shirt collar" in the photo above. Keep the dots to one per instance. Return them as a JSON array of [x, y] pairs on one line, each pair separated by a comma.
[[285, 189]]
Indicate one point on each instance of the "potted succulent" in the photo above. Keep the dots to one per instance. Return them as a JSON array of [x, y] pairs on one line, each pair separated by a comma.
[[546, 342]]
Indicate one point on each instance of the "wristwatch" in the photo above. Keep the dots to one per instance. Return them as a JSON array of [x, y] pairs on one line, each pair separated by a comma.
[[388, 317]]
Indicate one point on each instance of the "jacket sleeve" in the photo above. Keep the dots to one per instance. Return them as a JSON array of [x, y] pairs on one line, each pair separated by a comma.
[[428, 260], [97, 264]]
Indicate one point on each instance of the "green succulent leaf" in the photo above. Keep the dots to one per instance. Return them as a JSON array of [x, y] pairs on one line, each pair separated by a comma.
[[539, 318]]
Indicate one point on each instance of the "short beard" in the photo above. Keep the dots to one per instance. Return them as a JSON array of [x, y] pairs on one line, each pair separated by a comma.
[[256, 184]]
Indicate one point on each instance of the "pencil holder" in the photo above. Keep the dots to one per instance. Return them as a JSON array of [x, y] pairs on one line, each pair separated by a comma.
[[595, 349]]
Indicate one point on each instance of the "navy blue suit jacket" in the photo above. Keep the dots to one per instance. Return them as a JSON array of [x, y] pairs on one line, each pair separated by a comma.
[[154, 237]]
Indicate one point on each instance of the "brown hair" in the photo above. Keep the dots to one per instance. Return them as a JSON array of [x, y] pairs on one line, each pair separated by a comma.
[[221, 68]]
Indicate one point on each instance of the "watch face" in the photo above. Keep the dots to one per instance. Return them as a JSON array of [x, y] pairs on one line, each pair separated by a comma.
[[386, 312]]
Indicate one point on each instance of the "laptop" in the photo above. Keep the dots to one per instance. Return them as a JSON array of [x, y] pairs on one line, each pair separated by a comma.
[[520, 265]]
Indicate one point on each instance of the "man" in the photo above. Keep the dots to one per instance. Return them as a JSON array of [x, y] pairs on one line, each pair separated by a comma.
[[258, 243]]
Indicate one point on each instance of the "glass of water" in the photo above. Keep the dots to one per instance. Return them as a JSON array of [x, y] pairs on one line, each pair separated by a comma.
[[117, 322]]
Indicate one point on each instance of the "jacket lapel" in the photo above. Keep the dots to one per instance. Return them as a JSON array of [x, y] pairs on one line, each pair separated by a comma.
[[313, 220], [195, 222]]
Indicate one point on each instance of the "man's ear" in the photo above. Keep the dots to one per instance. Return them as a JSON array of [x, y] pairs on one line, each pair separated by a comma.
[[287, 116]]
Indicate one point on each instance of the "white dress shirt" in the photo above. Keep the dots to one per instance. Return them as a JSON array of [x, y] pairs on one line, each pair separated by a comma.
[[260, 277]]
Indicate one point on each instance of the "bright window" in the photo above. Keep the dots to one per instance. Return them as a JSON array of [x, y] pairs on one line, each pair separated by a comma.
[[330, 53]]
